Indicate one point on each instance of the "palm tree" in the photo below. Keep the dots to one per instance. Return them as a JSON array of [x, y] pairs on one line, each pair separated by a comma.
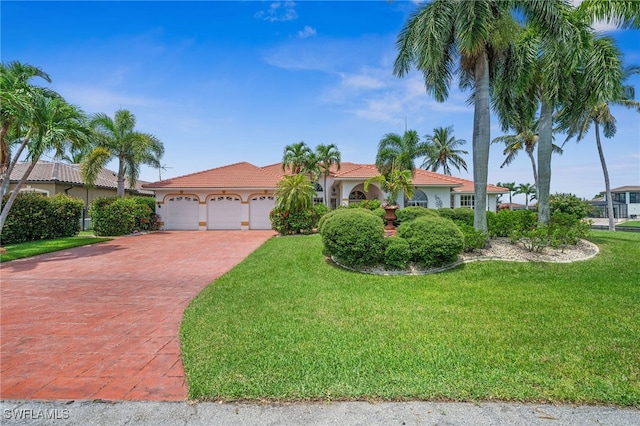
[[399, 152], [594, 107], [543, 71], [327, 156], [392, 183], [297, 157], [475, 33], [295, 193], [511, 186], [527, 189], [117, 139], [53, 125], [526, 139], [16, 109], [442, 151]]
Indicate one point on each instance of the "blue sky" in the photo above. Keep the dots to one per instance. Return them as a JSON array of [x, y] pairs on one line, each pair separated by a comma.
[[224, 82]]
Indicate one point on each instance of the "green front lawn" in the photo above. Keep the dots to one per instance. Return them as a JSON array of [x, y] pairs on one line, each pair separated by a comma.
[[287, 325], [33, 248], [631, 223]]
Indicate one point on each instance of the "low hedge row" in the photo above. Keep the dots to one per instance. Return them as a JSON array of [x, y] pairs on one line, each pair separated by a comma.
[[35, 217], [112, 216]]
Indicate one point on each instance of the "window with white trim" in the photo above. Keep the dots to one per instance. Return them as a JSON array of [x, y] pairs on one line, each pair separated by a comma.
[[468, 201]]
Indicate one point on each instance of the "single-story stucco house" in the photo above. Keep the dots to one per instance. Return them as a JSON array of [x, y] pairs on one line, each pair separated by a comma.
[[51, 177], [240, 195]]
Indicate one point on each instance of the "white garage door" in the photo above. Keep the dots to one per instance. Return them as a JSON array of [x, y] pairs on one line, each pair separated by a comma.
[[259, 209], [181, 213], [224, 212]]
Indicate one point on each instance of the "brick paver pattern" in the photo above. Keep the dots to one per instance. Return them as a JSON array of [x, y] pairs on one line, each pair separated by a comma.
[[102, 321]]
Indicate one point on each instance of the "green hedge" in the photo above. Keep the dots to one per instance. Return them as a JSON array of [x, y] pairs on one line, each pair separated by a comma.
[[112, 216], [434, 241], [354, 236], [409, 213], [35, 217], [460, 215], [397, 253], [300, 222]]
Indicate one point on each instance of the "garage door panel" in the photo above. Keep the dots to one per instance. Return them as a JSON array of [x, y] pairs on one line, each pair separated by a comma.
[[224, 212], [181, 213], [259, 209]]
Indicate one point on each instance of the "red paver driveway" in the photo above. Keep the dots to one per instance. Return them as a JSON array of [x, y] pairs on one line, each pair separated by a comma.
[[102, 321]]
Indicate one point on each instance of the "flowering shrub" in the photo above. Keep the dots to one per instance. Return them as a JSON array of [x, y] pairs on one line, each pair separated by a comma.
[[299, 222]]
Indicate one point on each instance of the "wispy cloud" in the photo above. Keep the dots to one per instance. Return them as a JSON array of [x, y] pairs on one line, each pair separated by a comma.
[[279, 11], [307, 31]]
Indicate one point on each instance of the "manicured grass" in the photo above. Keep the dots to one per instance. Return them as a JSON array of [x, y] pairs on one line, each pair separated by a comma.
[[33, 248], [631, 223], [287, 325]]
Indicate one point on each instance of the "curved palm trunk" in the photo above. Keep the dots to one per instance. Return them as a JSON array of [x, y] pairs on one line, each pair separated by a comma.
[[535, 170], [481, 142], [545, 144], [607, 186], [6, 174], [14, 194]]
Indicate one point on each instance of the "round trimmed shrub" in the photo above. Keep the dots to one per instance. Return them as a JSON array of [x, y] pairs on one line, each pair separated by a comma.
[[354, 236], [434, 241], [329, 215], [460, 215], [409, 213], [397, 254]]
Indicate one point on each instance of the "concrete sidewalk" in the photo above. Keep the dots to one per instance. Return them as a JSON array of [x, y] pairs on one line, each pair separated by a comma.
[[340, 413]]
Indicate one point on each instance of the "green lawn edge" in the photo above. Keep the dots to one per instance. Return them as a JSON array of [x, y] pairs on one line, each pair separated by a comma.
[[34, 248], [286, 325]]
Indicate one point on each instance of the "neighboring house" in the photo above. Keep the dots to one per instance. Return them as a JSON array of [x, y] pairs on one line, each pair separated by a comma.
[[50, 178], [626, 203], [240, 196]]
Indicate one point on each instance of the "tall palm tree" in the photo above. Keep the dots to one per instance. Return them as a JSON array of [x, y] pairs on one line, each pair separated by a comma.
[[442, 151], [469, 37], [327, 156], [399, 152], [511, 186], [54, 125], [526, 140], [594, 107], [527, 189], [545, 73], [116, 138], [297, 157], [16, 108]]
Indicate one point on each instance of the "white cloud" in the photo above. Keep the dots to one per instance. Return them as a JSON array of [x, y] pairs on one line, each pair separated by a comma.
[[307, 31], [279, 11]]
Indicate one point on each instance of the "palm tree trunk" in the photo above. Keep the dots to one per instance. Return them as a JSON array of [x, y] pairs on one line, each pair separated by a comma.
[[324, 188], [607, 186], [121, 177], [6, 176], [545, 144], [535, 170], [481, 142], [14, 194]]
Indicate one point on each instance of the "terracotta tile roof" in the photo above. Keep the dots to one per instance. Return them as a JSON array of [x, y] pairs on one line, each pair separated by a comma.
[[238, 175], [467, 186], [56, 172]]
